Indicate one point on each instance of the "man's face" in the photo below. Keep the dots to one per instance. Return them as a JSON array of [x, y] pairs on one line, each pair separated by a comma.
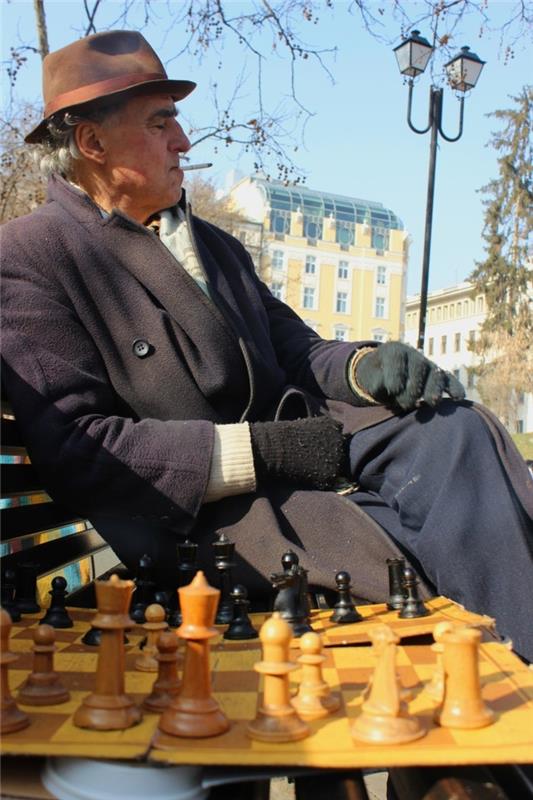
[[142, 143]]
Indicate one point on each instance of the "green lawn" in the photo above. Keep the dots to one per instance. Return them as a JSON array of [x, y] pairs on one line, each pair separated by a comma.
[[524, 442]]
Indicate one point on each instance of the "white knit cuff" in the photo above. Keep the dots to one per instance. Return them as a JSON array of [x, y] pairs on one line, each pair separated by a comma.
[[352, 378], [232, 463]]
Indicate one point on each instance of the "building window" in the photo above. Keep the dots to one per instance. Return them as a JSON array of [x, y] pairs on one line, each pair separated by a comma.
[[380, 307], [381, 275], [470, 380], [439, 313], [459, 309], [340, 334], [457, 342], [432, 315], [344, 234], [480, 305], [277, 290], [342, 271], [443, 344], [431, 345], [277, 259], [378, 337], [310, 265], [280, 221], [471, 337], [309, 297], [312, 229], [520, 426], [457, 374], [380, 239], [341, 304], [445, 312], [452, 311]]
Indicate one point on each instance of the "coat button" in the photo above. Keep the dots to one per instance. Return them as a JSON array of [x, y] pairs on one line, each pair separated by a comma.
[[141, 348]]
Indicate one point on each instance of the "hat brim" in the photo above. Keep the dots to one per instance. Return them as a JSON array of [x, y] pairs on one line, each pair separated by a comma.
[[177, 89]]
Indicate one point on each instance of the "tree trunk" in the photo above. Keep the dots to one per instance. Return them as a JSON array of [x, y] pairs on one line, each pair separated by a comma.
[[42, 32]]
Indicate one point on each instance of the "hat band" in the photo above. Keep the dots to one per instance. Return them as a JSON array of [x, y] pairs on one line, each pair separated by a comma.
[[94, 90]]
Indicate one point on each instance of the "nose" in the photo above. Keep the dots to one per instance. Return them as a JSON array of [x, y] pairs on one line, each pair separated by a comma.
[[180, 141]]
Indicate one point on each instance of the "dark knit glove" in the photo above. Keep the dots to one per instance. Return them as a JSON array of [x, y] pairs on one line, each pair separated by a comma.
[[309, 452], [397, 374]]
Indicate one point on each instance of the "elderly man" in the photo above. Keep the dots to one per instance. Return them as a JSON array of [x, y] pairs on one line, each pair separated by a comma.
[[164, 392]]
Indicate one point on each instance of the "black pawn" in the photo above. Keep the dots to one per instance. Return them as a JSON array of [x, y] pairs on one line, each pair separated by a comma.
[[187, 567], [57, 614], [143, 595], [92, 637], [240, 626], [8, 601], [397, 593], [224, 552], [413, 606], [27, 588], [344, 609]]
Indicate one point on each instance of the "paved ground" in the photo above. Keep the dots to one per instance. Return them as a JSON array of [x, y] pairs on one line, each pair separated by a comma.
[[375, 782]]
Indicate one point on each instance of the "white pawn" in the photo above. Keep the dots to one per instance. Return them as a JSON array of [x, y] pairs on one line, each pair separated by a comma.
[[314, 699]]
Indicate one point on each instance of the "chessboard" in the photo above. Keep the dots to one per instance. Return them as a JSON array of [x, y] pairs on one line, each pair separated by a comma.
[[507, 688]]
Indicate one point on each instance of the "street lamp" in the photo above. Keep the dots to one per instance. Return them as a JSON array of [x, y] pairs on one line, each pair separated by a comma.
[[463, 72]]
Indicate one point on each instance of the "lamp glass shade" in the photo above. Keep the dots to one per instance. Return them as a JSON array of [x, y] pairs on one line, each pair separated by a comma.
[[413, 55], [464, 70]]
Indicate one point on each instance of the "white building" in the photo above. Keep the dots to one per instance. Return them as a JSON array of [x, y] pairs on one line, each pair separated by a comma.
[[454, 317]]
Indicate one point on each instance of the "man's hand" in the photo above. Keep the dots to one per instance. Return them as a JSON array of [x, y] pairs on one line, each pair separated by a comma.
[[397, 374], [308, 452]]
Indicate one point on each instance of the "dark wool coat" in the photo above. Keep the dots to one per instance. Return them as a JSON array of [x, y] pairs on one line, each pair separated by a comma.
[[125, 429]]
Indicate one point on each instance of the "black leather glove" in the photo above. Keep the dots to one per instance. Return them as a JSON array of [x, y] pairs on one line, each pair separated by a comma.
[[397, 374], [309, 452]]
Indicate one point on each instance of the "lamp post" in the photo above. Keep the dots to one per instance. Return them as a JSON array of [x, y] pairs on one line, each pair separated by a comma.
[[463, 71]]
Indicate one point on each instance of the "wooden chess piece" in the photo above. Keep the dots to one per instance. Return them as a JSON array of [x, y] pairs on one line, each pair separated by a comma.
[[276, 720], [108, 707], [26, 593], [224, 563], [380, 636], [194, 712], [384, 719], [57, 614], [167, 683], [397, 593], [187, 568], [314, 699], [154, 625], [435, 687], [11, 717], [413, 606], [344, 610], [7, 593], [463, 705], [43, 686], [240, 626]]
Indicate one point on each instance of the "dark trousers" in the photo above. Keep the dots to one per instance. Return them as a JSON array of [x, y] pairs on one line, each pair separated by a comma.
[[433, 480]]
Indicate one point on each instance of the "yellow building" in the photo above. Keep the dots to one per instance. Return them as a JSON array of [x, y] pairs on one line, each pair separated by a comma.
[[339, 262]]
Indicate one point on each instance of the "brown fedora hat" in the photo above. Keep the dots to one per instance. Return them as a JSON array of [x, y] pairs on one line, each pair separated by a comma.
[[98, 66]]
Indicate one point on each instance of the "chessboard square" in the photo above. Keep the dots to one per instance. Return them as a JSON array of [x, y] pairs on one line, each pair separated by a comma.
[[43, 727], [65, 661], [348, 657], [239, 705], [226, 681], [235, 660], [138, 682]]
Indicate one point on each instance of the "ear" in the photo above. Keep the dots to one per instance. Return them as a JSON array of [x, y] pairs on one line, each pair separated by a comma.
[[90, 142]]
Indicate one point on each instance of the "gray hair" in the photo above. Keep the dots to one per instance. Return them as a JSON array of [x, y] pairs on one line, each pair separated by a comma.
[[58, 153]]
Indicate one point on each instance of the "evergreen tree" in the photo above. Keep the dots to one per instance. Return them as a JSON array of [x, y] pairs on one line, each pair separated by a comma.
[[505, 276]]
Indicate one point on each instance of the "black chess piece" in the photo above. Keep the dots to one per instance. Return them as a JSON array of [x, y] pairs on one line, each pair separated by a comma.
[[187, 567], [224, 552], [289, 561], [144, 592], [397, 593], [344, 609], [92, 637], [7, 595], [413, 606], [240, 626], [290, 599], [26, 591], [57, 614]]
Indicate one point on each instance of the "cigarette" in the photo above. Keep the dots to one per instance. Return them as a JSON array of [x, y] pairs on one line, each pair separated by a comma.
[[197, 166]]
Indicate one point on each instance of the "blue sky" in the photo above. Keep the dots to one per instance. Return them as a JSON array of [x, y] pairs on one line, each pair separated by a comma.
[[358, 142]]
